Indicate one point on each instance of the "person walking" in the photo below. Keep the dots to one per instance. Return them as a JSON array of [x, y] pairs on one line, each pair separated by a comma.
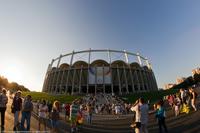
[[3, 102], [16, 108], [43, 110], [26, 113]]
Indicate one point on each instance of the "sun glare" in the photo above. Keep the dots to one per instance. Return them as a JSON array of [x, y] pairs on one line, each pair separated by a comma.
[[13, 73]]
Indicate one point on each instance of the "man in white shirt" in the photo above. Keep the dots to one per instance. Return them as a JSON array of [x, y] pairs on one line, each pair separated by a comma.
[[141, 116], [136, 109]]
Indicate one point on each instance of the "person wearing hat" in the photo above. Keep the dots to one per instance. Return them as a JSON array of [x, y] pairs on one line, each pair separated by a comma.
[[3, 103]]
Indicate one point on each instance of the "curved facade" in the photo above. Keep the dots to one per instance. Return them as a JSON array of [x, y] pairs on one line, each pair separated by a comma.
[[118, 72]]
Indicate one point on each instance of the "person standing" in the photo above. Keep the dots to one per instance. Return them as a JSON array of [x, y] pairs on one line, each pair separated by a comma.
[[17, 106], [183, 96], [49, 105], [136, 109], [89, 110], [144, 110], [67, 111], [26, 113], [55, 115], [3, 102], [160, 115], [193, 97], [43, 110], [74, 108]]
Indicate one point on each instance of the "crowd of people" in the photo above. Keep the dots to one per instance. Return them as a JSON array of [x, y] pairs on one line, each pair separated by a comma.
[[82, 109], [182, 102]]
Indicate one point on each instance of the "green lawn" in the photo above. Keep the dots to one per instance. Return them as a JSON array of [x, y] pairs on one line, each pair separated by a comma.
[[41, 95], [152, 96]]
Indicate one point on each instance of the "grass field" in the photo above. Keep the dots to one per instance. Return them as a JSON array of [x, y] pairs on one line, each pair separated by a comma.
[[152, 96], [41, 95]]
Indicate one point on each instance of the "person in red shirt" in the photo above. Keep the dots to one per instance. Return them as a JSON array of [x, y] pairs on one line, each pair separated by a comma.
[[67, 111]]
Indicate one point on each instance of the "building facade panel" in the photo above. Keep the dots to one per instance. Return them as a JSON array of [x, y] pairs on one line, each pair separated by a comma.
[[99, 76]]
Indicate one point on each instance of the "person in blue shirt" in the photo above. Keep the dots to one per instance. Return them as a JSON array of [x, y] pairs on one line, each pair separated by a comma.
[[160, 115]]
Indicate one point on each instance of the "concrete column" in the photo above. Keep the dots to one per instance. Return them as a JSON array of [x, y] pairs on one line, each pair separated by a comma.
[[73, 78], [127, 91], [103, 81], [142, 80], [95, 80], [61, 83], [132, 83], [53, 81], [68, 71], [126, 57], [139, 59], [155, 83], [138, 83], [147, 63], [59, 61], [57, 80], [89, 56], [110, 61], [58, 76], [80, 78], [118, 75]]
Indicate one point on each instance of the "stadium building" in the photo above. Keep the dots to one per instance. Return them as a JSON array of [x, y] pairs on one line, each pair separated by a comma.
[[99, 71]]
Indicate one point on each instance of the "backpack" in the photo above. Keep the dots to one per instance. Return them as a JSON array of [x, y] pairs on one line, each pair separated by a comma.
[[28, 106], [3, 100]]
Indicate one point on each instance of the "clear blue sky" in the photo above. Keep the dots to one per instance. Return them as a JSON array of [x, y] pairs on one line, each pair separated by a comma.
[[32, 32]]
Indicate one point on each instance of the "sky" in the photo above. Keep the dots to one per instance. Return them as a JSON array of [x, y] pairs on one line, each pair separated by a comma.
[[33, 32]]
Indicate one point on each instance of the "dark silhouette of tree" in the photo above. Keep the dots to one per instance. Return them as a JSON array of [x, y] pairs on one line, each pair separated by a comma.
[[13, 86], [190, 81], [196, 78]]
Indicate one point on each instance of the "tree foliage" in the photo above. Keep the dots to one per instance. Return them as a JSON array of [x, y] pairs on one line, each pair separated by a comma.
[[13, 86], [190, 81]]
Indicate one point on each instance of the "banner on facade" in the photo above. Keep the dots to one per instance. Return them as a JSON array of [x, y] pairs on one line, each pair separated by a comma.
[[99, 75]]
